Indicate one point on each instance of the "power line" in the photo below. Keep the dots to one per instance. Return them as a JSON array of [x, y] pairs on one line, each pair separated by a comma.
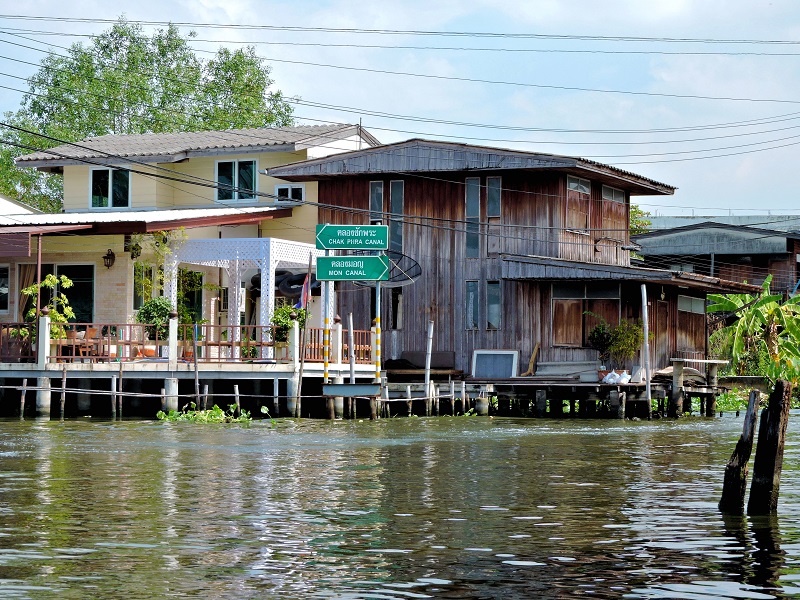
[[478, 34]]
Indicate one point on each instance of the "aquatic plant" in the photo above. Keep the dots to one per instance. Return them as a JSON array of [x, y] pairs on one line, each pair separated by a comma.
[[213, 415]]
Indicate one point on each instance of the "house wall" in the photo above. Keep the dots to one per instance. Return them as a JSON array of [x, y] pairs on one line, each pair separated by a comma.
[[438, 243]]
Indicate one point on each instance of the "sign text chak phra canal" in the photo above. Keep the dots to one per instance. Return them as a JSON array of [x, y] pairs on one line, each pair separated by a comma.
[[352, 237]]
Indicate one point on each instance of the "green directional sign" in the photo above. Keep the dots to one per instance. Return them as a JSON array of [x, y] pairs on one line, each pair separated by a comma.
[[352, 268], [352, 237]]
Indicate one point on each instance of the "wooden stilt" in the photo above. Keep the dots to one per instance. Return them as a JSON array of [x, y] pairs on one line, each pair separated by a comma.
[[768, 462], [119, 395], [63, 389], [22, 399], [735, 483], [409, 401], [113, 397]]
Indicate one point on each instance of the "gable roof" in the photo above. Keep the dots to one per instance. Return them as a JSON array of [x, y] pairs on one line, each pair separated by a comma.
[[429, 156], [713, 238], [175, 147]]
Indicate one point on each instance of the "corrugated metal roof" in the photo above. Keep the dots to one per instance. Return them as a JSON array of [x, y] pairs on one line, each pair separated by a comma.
[[179, 145], [77, 218], [430, 156]]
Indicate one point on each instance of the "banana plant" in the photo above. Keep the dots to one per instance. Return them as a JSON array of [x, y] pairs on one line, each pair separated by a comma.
[[762, 320]]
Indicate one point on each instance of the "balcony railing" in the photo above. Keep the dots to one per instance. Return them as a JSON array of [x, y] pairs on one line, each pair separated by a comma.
[[200, 342]]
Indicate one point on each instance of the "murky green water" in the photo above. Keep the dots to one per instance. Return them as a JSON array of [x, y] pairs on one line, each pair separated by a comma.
[[398, 509]]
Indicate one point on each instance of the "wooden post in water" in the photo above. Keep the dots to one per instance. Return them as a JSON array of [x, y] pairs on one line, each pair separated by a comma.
[[113, 397], [119, 389], [63, 389], [22, 399], [735, 484], [408, 399], [768, 463], [236, 399], [373, 408], [205, 396]]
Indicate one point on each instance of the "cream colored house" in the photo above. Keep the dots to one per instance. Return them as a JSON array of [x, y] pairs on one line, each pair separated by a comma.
[[209, 184]]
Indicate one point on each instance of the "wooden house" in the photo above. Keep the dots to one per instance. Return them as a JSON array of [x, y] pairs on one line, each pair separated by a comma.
[[731, 251], [516, 249]]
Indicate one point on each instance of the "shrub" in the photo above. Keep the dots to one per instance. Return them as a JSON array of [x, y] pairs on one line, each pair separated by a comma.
[[283, 322], [155, 313]]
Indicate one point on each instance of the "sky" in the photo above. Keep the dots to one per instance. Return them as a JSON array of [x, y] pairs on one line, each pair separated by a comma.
[[700, 95]]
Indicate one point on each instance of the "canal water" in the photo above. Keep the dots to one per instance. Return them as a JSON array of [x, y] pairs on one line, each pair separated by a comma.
[[462, 507]]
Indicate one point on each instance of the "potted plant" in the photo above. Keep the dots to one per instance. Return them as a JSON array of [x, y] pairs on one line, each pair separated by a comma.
[[626, 340], [60, 310], [600, 338], [155, 314], [282, 321]]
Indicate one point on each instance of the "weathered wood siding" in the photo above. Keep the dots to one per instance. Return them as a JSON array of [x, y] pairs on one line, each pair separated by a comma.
[[533, 212]]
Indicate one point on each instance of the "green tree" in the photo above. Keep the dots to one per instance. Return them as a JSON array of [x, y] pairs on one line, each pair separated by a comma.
[[125, 82], [639, 221], [764, 324]]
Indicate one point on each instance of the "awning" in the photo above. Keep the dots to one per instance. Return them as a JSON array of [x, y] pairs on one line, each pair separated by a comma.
[[16, 241], [543, 268]]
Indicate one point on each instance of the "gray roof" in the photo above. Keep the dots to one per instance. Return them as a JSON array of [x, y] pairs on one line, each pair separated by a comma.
[[173, 147], [430, 156], [773, 222]]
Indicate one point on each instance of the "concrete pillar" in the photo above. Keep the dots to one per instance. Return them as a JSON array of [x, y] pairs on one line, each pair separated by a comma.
[[291, 396], [170, 394], [43, 397], [711, 405], [172, 348], [616, 401], [676, 399], [276, 406], [541, 403], [338, 401]]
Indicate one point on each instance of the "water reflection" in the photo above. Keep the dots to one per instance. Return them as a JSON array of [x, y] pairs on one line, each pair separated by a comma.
[[411, 508]]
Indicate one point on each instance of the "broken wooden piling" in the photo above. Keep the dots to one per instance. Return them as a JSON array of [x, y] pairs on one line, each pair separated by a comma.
[[768, 462], [735, 483]]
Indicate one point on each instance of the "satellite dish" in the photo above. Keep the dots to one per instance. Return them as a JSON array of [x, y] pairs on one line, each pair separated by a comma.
[[403, 270]]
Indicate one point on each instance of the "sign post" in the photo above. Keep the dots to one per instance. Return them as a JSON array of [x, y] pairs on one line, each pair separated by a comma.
[[352, 268]]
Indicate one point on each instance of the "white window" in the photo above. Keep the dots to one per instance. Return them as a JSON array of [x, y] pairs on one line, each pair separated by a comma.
[[236, 179], [4, 282], [613, 194], [109, 188], [576, 184], [294, 193], [692, 305]]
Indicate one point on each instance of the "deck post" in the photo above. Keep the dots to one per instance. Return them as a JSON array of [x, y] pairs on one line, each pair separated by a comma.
[[616, 401], [541, 403], [172, 340], [676, 398], [22, 399], [43, 341], [170, 398], [43, 397], [338, 401]]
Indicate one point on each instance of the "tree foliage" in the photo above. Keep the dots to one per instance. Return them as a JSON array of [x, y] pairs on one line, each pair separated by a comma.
[[639, 221], [126, 82], [764, 325]]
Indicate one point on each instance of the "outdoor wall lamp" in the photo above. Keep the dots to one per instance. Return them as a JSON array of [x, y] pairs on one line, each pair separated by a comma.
[[109, 258]]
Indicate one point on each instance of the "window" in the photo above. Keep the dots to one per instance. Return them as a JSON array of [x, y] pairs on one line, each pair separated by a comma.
[[290, 192], [110, 188], [143, 280], [578, 195], [493, 310], [472, 304], [376, 202], [576, 184], [692, 305], [613, 194], [396, 312], [473, 216], [493, 214], [236, 179], [578, 307], [396, 216], [4, 282]]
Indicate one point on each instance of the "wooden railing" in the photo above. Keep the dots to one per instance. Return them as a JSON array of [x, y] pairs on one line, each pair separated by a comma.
[[203, 342]]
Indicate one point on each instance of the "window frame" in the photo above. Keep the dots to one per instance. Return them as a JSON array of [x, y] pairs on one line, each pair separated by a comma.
[[499, 295], [7, 308], [614, 191], [476, 309], [235, 192], [586, 296], [376, 216], [110, 196], [396, 219], [290, 186], [472, 231]]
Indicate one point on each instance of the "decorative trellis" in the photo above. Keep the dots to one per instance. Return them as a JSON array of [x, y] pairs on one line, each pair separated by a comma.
[[236, 255]]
